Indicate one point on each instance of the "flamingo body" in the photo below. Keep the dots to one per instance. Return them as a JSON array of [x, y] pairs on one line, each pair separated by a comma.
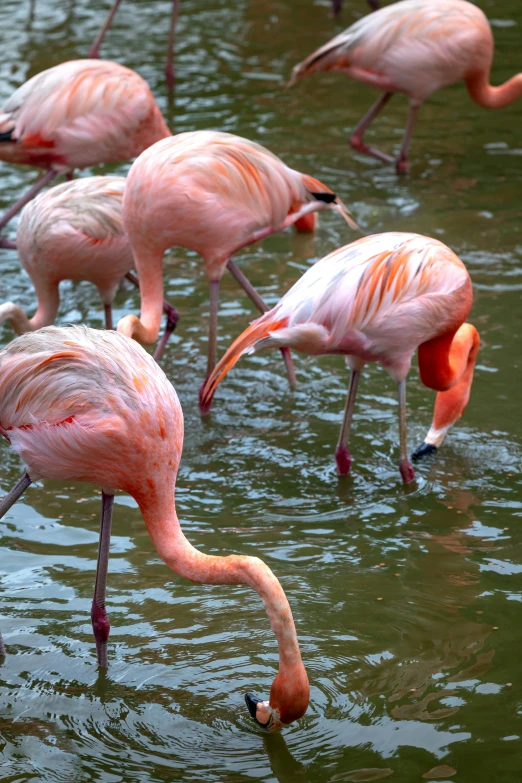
[[378, 300], [86, 405], [80, 113], [414, 47], [212, 193], [73, 231]]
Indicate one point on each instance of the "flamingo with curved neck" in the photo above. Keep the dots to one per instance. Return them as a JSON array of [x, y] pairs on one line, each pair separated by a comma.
[[414, 47], [378, 300], [75, 231], [213, 193], [86, 405]]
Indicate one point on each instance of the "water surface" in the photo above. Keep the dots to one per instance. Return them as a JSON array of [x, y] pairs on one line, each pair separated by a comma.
[[407, 601]]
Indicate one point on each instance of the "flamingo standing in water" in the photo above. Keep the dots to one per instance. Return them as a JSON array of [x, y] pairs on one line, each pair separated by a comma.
[[378, 300], [213, 193], [414, 47], [79, 404], [94, 51], [74, 231], [80, 113]]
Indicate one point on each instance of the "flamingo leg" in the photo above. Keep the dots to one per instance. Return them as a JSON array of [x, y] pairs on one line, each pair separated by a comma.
[[405, 466], [261, 305], [342, 453], [172, 319], [169, 67], [336, 7], [5, 504], [17, 206], [401, 164], [94, 51], [212, 334], [374, 4], [356, 139], [100, 621], [16, 492], [108, 316]]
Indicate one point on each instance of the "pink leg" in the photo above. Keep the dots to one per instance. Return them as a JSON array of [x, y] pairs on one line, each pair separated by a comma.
[[356, 139], [261, 305], [5, 504], [172, 318], [401, 164], [100, 621], [405, 466], [336, 7], [342, 453], [169, 67], [31, 193], [94, 51], [212, 332]]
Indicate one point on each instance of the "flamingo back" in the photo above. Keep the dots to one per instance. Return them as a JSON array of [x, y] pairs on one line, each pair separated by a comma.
[[89, 405], [80, 113]]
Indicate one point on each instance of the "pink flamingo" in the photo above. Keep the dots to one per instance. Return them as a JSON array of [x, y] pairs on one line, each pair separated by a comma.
[[378, 300], [80, 113], [74, 231], [94, 51], [79, 404], [213, 193], [414, 47]]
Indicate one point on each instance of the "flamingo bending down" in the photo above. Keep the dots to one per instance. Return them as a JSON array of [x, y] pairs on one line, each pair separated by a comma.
[[378, 300], [80, 113], [414, 47], [213, 193], [79, 404], [94, 51], [74, 231]]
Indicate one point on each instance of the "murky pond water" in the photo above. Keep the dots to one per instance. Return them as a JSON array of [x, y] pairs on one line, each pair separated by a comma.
[[407, 602]]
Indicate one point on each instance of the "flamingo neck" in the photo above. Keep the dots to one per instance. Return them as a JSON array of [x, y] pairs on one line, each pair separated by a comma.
[[290, 690], [491, 97], [145, 329]]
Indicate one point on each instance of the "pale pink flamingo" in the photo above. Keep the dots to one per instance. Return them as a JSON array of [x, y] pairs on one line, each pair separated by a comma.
[[213, 193], [378, 300], [94, 51], [78, 404], [80, 113], [74, 231], [414, 47]]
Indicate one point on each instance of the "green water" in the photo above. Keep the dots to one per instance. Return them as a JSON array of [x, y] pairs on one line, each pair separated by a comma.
[[407, 601]]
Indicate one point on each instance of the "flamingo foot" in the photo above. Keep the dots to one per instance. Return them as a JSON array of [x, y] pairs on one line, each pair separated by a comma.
[[358, 144], [402, 166], [204, 407], [343, 460], [101, 628], [423, 451], [406, 470]]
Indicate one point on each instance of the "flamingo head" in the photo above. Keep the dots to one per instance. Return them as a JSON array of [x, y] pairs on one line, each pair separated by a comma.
[[289, 697]]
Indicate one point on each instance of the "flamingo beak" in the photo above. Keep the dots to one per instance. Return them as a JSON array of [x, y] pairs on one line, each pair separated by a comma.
[[263, 714], [423, 451]]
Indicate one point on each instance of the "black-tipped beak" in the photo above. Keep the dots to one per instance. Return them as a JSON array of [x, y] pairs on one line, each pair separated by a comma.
[[251, 702], [423, 451]]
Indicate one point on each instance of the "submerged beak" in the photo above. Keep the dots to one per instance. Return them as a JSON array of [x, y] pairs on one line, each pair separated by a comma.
[[256, 706]]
